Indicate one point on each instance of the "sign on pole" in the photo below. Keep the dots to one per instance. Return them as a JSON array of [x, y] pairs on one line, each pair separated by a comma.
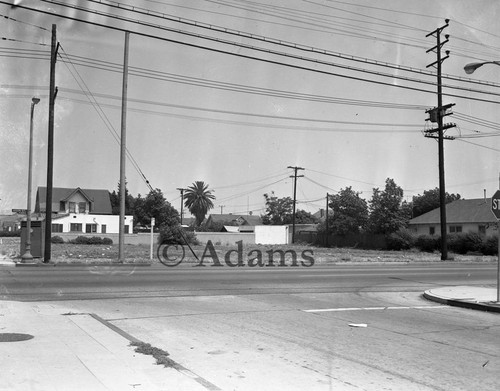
[[495, 208], [495, 204]]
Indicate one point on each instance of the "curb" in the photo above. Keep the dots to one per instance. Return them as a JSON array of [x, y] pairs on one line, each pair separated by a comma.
[[463, 303]]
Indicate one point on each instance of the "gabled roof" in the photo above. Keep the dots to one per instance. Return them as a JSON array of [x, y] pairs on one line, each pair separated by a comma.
[[77, 190], [239, 219], [101, 204], [477, 210]]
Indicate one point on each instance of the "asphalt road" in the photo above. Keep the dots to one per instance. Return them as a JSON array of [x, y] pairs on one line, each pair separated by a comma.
[[338, 327], [99, 282]]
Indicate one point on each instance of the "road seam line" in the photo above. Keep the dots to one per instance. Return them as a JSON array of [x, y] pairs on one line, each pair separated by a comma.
[[185, 371]]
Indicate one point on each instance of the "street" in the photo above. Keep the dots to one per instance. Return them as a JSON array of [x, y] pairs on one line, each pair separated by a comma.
[[336, 327]]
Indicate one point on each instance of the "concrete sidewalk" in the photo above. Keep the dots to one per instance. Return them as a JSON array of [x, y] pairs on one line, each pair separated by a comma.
[[477, 298], [76, 352]]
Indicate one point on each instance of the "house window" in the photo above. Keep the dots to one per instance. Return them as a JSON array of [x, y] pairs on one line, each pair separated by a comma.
[[455, 228], [82, 207], [482, 229], [75, 227], [90, 228], [126, 229], [72, 207], [57, 227], [62, 206], [432, 230], [103, 228]]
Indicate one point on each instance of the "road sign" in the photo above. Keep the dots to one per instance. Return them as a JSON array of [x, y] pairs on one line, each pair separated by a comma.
[[20, 211], [495, 204]]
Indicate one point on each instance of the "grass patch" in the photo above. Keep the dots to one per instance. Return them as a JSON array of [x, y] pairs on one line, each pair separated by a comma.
[[160, 355]]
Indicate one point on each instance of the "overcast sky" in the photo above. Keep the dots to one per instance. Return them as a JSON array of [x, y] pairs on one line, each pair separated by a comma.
[[236, 109]]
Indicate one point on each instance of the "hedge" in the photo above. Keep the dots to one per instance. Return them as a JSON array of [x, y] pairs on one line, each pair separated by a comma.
[[91, 240]]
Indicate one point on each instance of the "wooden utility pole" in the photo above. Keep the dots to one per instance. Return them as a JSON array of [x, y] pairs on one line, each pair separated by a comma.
[[326, 222], [50, 149], [436, 115], [123, 152], [182, 201], [295, 176]]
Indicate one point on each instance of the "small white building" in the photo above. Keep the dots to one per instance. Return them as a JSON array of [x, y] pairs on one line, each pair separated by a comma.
[[81, 211]]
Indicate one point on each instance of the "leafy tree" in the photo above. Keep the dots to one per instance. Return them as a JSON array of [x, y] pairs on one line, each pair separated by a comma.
[[386, 214], [114, 197], [349, 212], [430, 200], [279, 211], [303, 217], [198, 199], [155, 205]]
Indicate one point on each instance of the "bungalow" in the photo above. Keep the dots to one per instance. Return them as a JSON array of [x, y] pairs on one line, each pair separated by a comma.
[[461, 216], [81, 210], [235, 223]]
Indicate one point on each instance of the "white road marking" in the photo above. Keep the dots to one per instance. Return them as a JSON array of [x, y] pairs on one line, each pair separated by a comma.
[[375, 308]]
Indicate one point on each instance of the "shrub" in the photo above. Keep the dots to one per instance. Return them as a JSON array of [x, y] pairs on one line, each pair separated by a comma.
[[428, 243], [176, 235], [95, 240], [56, 240], [403, 239], [10, 234], [107, 241], [90, 240], [489, 245], [463, 243]]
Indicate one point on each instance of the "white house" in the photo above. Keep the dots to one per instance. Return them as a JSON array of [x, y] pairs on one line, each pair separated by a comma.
[[461, 216], [81, 210]]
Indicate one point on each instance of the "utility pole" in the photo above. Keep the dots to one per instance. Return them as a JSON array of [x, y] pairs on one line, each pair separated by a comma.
[[221, 208], [182, 201], [326, 221], [123, 152], [436, 115], [50, 148], [295, 176]]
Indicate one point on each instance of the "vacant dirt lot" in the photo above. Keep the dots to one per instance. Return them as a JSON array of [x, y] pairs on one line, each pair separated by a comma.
[[72, 253]]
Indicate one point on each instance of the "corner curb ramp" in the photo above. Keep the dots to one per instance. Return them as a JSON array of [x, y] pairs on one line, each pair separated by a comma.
[[466, 302]]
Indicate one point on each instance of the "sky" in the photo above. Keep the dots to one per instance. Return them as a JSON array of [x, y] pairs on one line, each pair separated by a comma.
[[233, 92]]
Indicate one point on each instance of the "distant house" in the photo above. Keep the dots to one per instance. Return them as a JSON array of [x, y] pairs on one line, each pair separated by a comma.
[[10, 223], [320, 214], [81, 210], [461, 216], [235, 223]]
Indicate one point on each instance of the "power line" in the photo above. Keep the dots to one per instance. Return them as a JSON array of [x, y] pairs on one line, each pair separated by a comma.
[[93, 101], [258, 58], [288, 44]]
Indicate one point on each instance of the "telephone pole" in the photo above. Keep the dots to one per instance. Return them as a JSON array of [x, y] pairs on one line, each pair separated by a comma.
[[123, 151], [295, 176], [50, 148], [221, 208], [182, 201], [326, 221], [436, 115]]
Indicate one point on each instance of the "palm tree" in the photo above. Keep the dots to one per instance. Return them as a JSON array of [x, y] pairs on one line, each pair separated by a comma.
[[198, 199]]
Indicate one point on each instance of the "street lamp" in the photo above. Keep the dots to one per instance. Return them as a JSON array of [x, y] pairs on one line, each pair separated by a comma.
[[470, 68], [27, 255]]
